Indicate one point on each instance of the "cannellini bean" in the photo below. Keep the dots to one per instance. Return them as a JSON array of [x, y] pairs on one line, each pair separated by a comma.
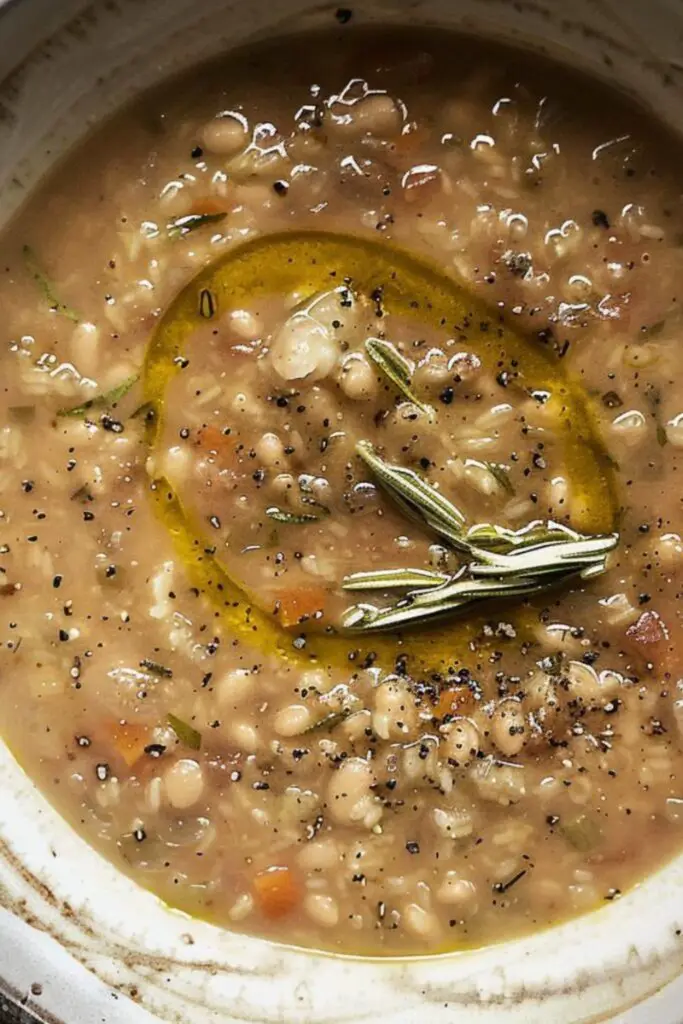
[[270, 450], [376, 115], [242, 907], [453, 823], [357, 379], [457, 892], [461, 741], [395, 715], [319, 855], [184, 783], [244, 735], [226, 134], [235, 687], [303, 348], [420, 922], [349, 794], [322, 909], [508, 727], [591, 686], [630, 427], [674, 431], [292, 720]]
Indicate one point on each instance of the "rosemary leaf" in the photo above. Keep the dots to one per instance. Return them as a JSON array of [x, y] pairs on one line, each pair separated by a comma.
[[394, 579], [396, 368], [104, 400], [415, 495], [47, 287], [190, 222], [187, 734], [296, 518], [500, 474], [417, 608], [329, 722]]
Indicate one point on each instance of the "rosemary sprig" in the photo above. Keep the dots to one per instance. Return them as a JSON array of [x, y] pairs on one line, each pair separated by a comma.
[[394, 579], [47, 287], [501, 563], [415, 496], [396, 368], [191, 221], [104, 400]]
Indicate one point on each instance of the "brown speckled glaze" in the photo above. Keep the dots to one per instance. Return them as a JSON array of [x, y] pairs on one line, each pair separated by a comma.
[[62, 68]]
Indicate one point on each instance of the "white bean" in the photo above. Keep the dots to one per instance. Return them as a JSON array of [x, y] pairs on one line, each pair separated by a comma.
[[235, 687], [225, 134], [457, 892], [357, 379], [461, 741], [508, 727], [292, 720], [395, 715], [322, 909], [421, 923], [373, 115], [184, 783], [349, 794]]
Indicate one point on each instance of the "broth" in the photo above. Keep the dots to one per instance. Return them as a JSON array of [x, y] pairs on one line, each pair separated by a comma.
[[185, 671]]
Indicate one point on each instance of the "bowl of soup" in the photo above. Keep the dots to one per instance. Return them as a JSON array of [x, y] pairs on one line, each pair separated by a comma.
[[340, 435]]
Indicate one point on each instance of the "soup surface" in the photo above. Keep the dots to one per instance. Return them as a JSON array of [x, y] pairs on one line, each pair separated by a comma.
[[275, 636]]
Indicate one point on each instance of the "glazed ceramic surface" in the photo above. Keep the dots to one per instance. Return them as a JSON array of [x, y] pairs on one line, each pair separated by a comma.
[[63, 67]]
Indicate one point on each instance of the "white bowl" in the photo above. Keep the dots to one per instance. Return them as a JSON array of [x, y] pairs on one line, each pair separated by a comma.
[[64, 64]]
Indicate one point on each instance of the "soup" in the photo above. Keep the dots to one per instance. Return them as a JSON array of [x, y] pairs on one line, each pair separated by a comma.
[[340, 436]]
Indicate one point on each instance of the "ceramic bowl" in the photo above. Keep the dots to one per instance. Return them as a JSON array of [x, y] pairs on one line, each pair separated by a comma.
[[63, 67]]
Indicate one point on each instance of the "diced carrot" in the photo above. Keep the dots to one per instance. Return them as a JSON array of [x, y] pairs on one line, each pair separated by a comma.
[[130, 740], [277, 891], [453, 701], [299, 604], [211, 438], [204, 205]]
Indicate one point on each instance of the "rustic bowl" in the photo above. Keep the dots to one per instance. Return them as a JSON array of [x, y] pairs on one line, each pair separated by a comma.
[[63, 67]]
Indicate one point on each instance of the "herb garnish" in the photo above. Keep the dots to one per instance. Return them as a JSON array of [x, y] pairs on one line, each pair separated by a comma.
[[396, 368], [156, 669], [46, 286], [500, 562], [104, 400], [186, 734], [190, 222]]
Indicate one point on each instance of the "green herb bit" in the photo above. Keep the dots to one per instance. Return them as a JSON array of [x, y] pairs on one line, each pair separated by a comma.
[[47, 287], [394, 579], [583, 833], [105, 400], [186, 734], [22, 414], [190, 222], [396, 368], [415, 495], [662, 438], [421, 606], [156, 668], [329, 722], [500, 474], [296, 518]]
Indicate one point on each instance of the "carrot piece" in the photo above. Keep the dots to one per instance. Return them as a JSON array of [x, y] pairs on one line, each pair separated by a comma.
[[301, 603], [453, 701], [277, 891], [206, 205], [211, 438], [130, 740]]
